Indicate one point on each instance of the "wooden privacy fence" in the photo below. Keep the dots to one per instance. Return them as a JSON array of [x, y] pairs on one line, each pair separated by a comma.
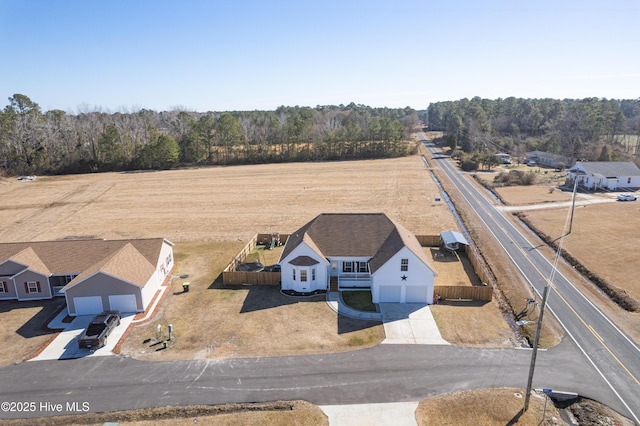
[[429, 240], [232, 277], [476, 292], [478, 266], [251, 278], [484, 292]]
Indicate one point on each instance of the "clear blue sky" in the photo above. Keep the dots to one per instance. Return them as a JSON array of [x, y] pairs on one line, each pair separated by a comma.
[[123, 55]]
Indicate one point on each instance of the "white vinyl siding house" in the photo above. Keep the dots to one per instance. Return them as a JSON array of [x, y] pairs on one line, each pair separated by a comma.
[[605, 175], [308, 262], [413, 285], [358, 251]]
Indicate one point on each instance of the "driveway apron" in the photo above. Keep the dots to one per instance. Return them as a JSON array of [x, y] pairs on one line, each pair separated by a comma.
[[65, 345], [409, 323]]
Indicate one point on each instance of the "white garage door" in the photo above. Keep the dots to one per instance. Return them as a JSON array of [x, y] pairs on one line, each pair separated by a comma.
[[123, 303], [390, 293], [416, 294], [89, 305]]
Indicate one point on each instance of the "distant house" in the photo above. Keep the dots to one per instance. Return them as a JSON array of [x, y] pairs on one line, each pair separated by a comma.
[[358, 251], [605, 175], [547, 159], [93, 275]]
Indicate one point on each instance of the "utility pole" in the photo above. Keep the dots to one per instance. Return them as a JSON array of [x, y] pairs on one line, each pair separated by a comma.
[[535, 348], [544, 299]]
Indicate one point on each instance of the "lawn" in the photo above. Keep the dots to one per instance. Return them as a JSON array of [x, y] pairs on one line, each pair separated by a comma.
[[214, 321], [360, 300], [23, 328]]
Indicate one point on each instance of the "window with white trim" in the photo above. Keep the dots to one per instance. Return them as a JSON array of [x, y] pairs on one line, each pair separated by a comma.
[[294, 274], [362, 266], [303, 275], [32, 287], [313, 274], [347, 266], [404, 264], [3, 287]]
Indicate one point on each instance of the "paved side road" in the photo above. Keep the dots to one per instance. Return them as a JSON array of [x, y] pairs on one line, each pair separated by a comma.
[[385, 373]]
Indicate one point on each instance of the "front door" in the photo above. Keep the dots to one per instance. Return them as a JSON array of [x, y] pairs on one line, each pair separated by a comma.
[[304, 280]]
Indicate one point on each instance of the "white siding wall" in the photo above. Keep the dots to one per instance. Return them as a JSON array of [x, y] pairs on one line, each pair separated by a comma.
[[321, 268], [418, 274], [164, 266], [339, 261], [590, 180]]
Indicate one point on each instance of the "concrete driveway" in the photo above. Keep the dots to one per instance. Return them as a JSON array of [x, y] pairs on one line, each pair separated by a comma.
[[65, 346], [409, 323]]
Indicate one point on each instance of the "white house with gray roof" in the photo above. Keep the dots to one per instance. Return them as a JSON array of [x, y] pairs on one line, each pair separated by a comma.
[[351, 251], [605, 175]]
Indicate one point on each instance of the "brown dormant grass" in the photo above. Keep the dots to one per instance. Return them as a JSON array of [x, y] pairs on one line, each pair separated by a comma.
[[219, 203], [23, 328], [269, 414], [213, 321], [486, 407], [211, 213], [604, 238]]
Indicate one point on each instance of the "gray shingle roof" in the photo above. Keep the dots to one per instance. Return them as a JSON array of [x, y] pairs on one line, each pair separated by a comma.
[[76, 256], [127, 264], [304, 261], [371, 235], [610, 168]]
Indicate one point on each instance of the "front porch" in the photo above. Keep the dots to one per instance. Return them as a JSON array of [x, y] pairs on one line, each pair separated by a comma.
[[353, 280]]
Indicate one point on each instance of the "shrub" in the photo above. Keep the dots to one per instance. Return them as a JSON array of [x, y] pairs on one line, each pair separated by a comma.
[[469, 165]]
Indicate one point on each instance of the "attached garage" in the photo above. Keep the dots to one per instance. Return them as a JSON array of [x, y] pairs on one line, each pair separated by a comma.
[[88, 305], [390, 293], [416, 294], [123, 303]]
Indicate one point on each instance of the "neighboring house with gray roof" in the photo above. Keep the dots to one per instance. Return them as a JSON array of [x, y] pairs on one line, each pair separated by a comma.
[[548, 159], [350, 251], [605, 175], [93, 275]]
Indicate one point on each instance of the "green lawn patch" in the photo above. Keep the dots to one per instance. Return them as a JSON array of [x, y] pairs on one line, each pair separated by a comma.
[[359, 299]]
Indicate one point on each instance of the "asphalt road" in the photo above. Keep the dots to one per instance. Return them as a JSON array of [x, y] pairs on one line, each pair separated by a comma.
[[386, 373], [610, 352]]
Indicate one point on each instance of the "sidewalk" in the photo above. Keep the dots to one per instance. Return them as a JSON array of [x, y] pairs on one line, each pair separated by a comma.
[[387, 414], [334, 300]]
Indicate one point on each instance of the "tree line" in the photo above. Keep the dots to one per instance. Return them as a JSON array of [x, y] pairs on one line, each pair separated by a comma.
[[591, 129], [56, 142]]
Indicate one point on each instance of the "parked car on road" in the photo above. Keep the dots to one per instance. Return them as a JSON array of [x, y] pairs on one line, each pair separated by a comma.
[[95, 336], [626, 197]]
